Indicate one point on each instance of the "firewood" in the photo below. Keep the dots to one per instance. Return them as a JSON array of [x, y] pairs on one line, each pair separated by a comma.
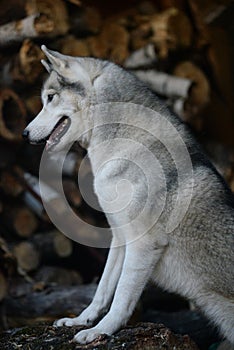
[[52, 246], [37, 192], [33, 104], [9, 184], [12, 115], [33, 26], [34, 203], [199, 93], [178, 106], [27, 256], [141, 35], [165, 84], [168, 30], [147, 8], [54, 11], [85, 20], [165, 4], [3, 286], [231, 183], [45, 192], [215, 10], [171, 30], [188, 89], [203, 14], [219, 55], [11, 9], [5, 255], [44, 18], [72, 46], [75, 2], [49, 304], [72, 192], [27, 193], [20, 219], [25, 67], [58, 275], [7, 268], [72, 163], [202, 36], [223, 159], [143, 57], [8, 152], [111, 43]]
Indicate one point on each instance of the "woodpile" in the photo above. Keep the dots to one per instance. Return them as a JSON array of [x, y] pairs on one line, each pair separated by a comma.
[[180, 48]]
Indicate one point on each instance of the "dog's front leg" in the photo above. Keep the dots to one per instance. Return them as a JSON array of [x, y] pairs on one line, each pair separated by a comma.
[[105, 290], [140, 259]]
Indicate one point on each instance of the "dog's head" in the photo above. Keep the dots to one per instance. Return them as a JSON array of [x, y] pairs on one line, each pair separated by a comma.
[[67, 92]]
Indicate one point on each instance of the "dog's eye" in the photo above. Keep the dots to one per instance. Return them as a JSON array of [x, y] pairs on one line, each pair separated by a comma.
[[50, 97]]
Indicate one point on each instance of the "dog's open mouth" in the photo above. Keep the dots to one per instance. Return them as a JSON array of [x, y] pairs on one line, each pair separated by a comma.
[[58, 131]]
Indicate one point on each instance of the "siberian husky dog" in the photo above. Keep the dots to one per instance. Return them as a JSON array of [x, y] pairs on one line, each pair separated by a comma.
[[194, 257]]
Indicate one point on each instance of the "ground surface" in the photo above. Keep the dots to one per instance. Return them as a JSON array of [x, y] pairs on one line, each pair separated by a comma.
[[144, 336]]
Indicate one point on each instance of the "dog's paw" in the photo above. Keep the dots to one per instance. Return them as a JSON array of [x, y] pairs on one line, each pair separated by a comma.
[[69, 322], [88, 335]]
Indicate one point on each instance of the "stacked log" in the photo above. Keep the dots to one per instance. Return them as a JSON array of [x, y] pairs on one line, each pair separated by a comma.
[[177, 47]]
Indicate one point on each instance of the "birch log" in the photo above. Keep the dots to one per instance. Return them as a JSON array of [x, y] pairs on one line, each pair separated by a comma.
[[165, 84], [44, 18], [32, 26], [199, 93], [145, 56]]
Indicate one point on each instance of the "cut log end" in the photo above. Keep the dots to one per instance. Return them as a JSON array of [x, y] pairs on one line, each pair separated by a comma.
[[62, 245], [27, 256], [25, 222], [12, 115]]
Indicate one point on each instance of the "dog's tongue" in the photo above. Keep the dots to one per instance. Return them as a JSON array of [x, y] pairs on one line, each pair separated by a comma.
[[56, 134], [54, 137]]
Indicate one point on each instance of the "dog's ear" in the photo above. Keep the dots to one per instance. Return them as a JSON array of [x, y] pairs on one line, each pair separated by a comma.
[[47, 66], [65, 66], [56, 59]]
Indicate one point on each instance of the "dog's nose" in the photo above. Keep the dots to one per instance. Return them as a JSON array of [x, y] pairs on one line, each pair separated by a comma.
[[25, 134]]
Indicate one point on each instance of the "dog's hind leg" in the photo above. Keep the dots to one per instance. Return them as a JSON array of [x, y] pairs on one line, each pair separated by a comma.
[[105, 290]]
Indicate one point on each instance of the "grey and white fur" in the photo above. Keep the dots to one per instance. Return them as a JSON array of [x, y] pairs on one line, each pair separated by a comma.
[[196, 258]]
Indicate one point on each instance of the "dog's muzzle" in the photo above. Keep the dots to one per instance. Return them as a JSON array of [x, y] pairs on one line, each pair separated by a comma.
[[25, 134], [53, 138]]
